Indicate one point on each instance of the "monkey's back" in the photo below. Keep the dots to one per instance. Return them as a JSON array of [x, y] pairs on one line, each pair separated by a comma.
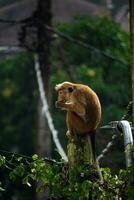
[[87, 98]]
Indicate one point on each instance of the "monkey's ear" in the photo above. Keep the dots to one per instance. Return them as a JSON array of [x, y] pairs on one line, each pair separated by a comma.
[[70, 89], [57, 87]]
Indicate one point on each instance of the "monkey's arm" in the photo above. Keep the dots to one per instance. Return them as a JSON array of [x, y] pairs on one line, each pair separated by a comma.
[[74, 107]]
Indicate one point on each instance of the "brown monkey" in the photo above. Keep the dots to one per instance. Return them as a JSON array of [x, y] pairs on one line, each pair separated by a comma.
[[82, 105], [83, 111]]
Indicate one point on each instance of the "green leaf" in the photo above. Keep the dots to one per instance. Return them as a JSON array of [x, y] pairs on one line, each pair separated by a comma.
[[2, 161], [35, 157]]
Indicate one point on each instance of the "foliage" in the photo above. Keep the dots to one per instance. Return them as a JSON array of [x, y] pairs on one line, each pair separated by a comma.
[[17, 118], [79, 183], [17, 100]]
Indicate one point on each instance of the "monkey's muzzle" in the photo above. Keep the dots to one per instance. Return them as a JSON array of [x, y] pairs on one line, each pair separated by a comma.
[[57, 104], [60, 105]]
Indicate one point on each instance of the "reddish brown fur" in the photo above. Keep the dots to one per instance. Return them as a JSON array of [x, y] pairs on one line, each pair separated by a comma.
[[82, 105]]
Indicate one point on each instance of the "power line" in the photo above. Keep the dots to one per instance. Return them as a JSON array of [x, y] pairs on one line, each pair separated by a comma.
[[66, 37], [85, 45], [11, 49], [24, 156]]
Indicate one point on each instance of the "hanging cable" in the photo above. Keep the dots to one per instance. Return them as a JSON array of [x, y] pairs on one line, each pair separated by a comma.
[[10, 154], [11, 49], [85, 45], [46, 109]]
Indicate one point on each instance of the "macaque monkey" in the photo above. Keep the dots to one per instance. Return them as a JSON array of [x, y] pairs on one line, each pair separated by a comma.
[[82, 106], [83, 110]]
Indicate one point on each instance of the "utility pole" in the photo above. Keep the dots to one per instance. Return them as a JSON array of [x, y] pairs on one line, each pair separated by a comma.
[[43, 16], [131, 8]]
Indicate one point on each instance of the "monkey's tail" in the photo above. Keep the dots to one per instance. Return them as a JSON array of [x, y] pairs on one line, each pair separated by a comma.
[[91, 137]]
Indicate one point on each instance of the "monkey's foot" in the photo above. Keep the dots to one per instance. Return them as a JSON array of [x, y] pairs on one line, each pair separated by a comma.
[[69, 136]]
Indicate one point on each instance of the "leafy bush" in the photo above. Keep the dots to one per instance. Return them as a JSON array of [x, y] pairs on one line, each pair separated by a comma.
[[79, 183]]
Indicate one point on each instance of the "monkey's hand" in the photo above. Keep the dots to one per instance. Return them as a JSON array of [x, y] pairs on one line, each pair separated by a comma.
[[59, 104], [77, 108]]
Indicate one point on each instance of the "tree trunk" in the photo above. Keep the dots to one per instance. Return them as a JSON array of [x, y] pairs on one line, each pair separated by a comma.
[[43, 16], [131, 4]]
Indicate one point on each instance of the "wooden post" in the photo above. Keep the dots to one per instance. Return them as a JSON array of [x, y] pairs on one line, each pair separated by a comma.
[[79, 151], [43, 17], [131, 6]]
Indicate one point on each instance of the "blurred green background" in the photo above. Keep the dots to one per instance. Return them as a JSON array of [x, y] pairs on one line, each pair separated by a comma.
[[69, 62]]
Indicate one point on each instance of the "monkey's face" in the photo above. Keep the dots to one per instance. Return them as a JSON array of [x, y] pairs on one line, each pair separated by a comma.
[[65, 91]]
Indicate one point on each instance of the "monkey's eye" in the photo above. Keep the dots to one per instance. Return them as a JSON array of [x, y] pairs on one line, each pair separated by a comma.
[[70, 89]]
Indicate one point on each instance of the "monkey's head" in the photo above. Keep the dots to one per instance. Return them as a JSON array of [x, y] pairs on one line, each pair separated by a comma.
[[64, 91]]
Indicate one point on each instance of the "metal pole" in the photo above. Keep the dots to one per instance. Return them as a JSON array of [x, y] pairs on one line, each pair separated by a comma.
[[124, 127]]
